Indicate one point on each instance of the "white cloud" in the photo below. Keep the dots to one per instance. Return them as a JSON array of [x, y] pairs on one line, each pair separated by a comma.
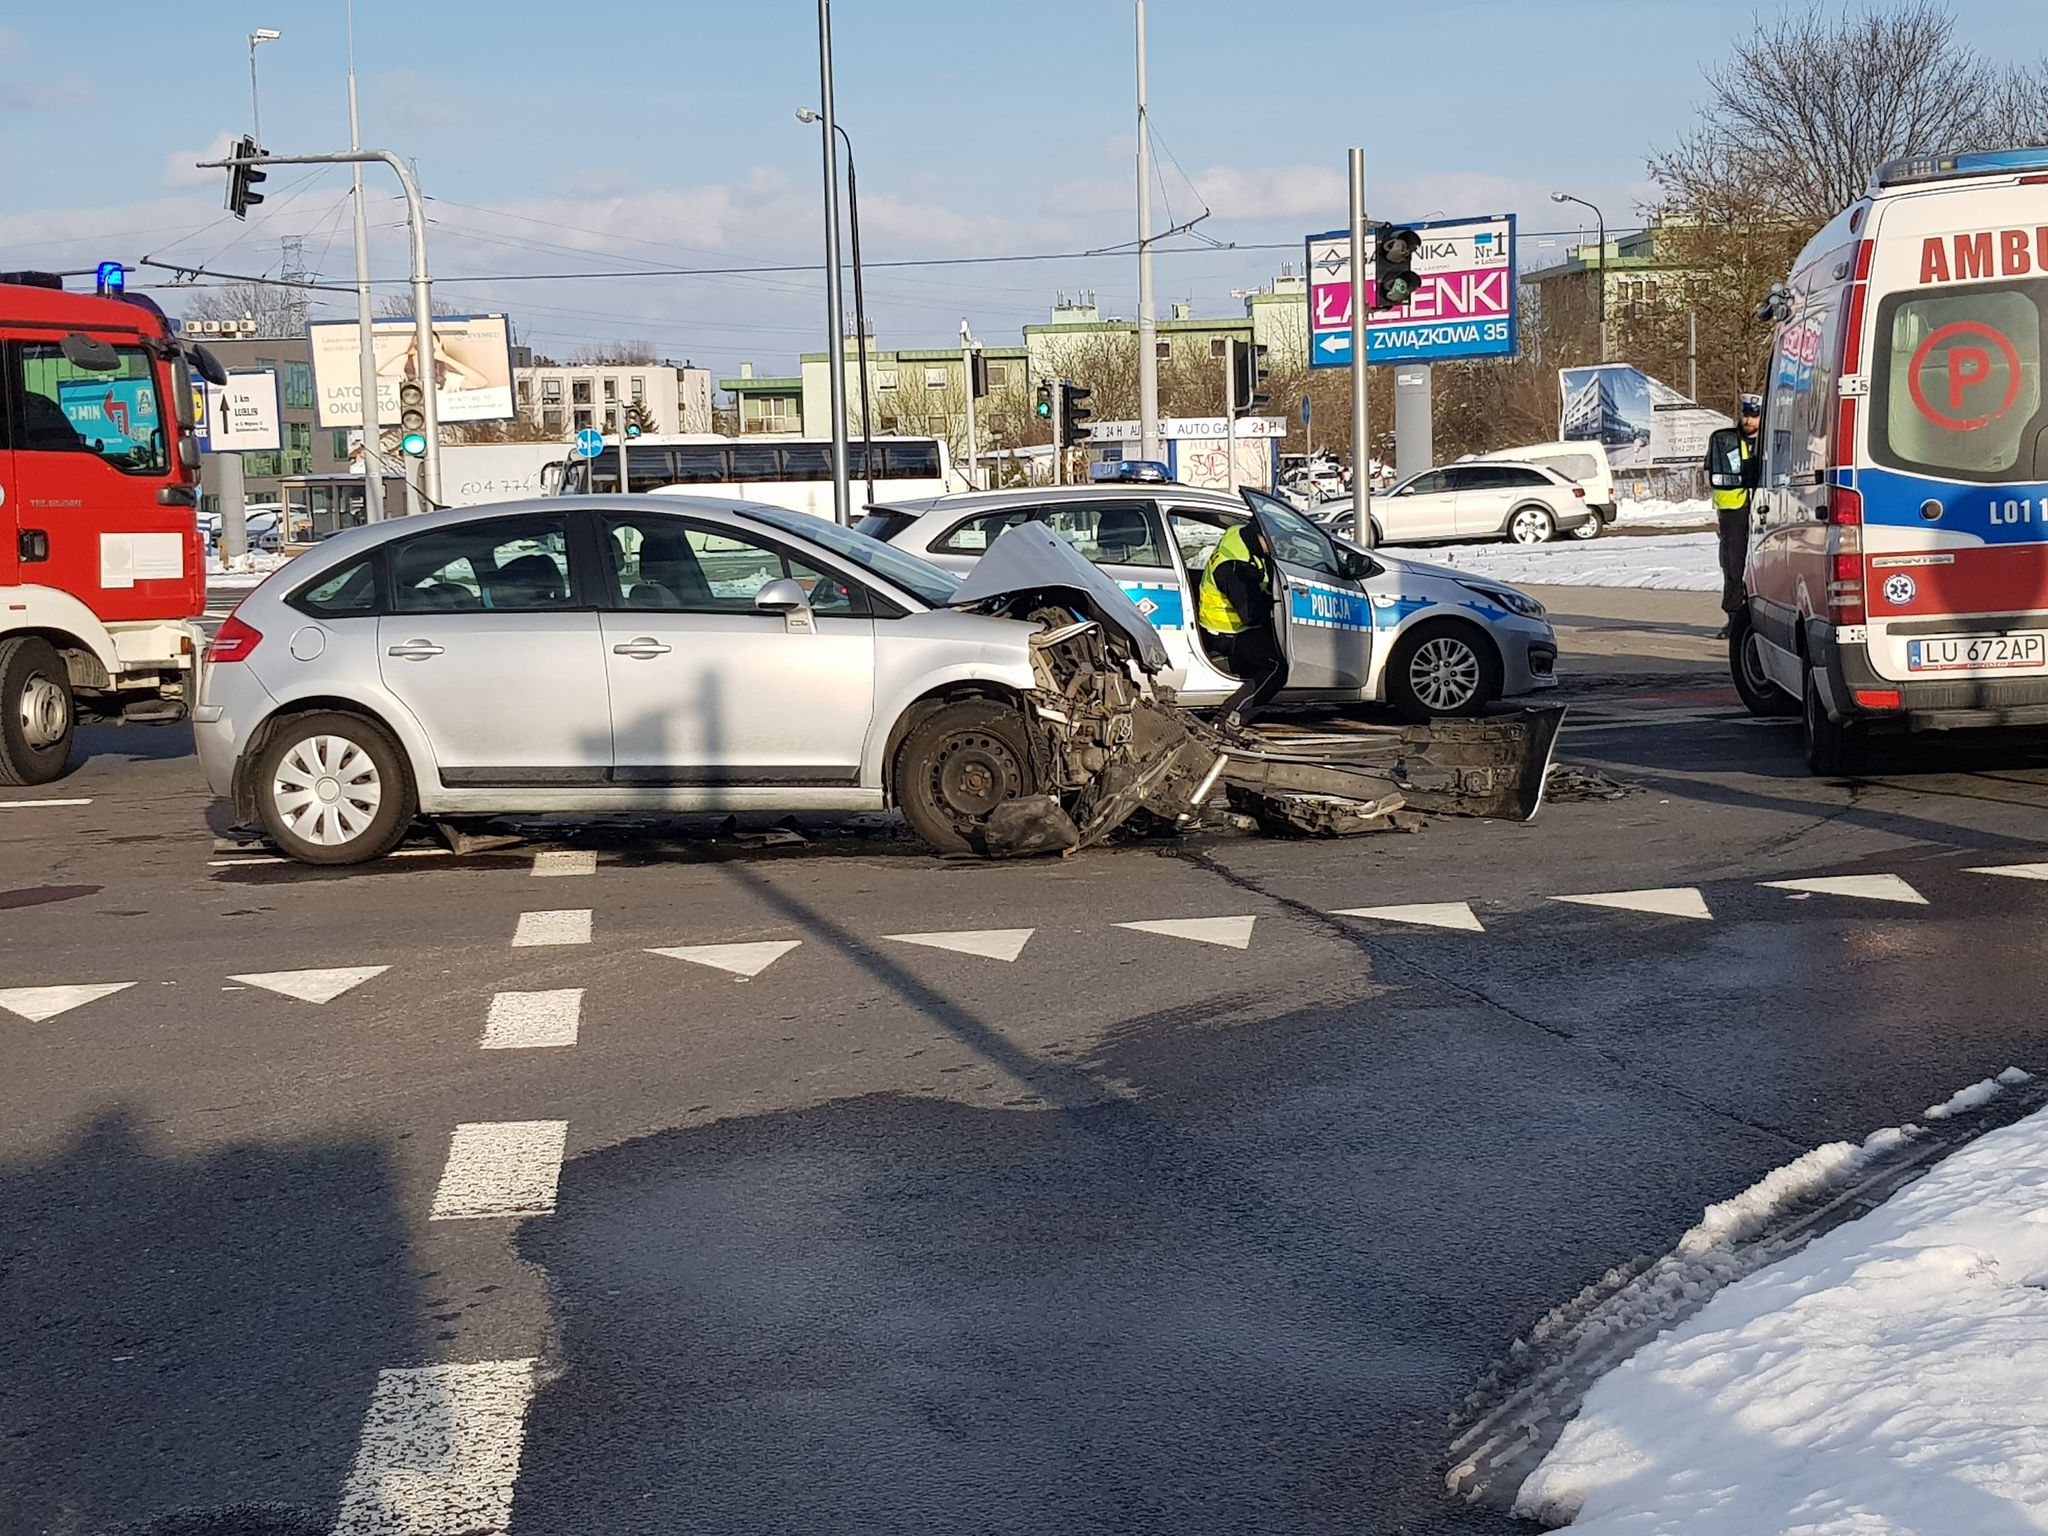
[[72, 91], [181, 167]]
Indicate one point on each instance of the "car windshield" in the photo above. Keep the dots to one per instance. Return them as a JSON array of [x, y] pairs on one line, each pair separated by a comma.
[[927, 583]]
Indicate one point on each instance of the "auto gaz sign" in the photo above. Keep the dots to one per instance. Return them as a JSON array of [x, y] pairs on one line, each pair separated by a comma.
[[1465, 306]]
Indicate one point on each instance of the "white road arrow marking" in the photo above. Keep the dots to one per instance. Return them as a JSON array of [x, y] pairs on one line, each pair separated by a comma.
[[313, 986], [989, 943], [1867, 887], [1669, 901], [439, 1451], [2015, 871], [1231, 932], [1429, 914], [742, 960], [39, 1003]]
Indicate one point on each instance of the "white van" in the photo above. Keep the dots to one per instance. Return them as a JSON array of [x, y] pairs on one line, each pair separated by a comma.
[[1584, 463], [1901, 582]]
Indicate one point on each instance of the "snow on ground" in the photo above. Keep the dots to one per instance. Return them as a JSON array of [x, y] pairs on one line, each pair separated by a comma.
[[1679, 562], [248, 572], [1697, 513], [1887, 1379]]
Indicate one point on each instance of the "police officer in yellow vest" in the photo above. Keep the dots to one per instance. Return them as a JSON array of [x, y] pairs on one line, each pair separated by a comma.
[[1235, 609], [1731, 509]]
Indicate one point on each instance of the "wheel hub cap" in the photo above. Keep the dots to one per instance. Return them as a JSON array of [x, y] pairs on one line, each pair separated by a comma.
[[327, 790], [44, 714], [1445, 674]]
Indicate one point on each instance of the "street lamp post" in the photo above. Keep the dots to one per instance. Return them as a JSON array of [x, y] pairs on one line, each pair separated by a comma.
[[860, 303], [835, 376], [260, 35], [1601, 220]]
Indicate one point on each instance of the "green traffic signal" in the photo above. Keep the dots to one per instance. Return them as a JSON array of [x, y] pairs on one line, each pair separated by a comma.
[[413, 445], [1044, 406]]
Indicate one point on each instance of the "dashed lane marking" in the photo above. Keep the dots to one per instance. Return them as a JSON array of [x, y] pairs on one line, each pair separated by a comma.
[[989, 943], [1866, 887], [1427, 914], [278, 858], [39, 1003], [501, 1168], [521, 1021], [29, 805], [1231, 932], [742, 960], [439, 1451], [564, 861], [2015, 871], [312, 986], [566, 926], [1670, 901]]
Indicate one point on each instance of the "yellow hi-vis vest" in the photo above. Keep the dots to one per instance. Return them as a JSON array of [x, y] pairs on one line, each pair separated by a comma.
[[1213, 611], [1737, 499]]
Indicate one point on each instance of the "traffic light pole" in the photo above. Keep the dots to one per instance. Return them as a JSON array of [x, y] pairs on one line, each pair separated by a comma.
[[1361, 429], [967, 351], [1059, 447], [1229, 420], [422, 287]]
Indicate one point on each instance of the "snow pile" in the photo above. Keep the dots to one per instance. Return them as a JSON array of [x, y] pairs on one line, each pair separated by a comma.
[[1655, 513], [257, 563], [1683, 562], [1888, 1378]]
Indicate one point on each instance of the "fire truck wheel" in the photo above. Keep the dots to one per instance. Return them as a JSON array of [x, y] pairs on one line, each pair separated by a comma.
[[332, 789], [37, 715]]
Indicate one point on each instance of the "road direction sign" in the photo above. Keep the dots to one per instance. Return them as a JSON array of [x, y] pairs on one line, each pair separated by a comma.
[[1464, 308], [589, 443]]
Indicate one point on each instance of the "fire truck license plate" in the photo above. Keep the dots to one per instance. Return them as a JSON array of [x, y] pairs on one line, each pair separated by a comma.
[[2026, 650]]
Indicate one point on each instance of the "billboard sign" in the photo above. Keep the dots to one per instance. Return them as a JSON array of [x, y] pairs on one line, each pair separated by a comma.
[[241, 416], [1465, 306], [472, 368], [116, 415], [1642, 422]]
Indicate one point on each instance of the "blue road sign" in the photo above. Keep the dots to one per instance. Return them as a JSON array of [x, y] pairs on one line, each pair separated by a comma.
[[589, 443], [1304, 410]]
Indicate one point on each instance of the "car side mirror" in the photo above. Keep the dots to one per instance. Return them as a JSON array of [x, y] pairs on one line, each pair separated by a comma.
[[1356, 564], [188, 454], [1724, 459], [551, 478], [89, 353], [781, 596]]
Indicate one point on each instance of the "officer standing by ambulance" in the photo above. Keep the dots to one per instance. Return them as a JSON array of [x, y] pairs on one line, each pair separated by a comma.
[[1235, 610], [1731, 510]]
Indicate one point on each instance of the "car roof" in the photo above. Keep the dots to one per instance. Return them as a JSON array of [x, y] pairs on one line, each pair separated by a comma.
[[1039, 495]]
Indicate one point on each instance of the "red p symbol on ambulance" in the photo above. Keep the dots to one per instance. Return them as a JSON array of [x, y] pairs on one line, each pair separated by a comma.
[[1967, 365]]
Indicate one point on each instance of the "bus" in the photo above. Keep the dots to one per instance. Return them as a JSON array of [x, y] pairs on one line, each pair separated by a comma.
[[793, 472]]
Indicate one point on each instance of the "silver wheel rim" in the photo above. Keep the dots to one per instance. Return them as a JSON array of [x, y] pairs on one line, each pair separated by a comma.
[[1444, 674], [1589, 529], [327, 790], [1528, 527], [1752, 666], [45, 711]]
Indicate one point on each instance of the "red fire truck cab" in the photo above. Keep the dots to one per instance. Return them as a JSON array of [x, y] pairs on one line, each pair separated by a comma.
[[102, 569]]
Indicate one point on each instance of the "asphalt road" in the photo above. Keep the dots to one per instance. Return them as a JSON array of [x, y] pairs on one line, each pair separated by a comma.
[[1132, 1231]]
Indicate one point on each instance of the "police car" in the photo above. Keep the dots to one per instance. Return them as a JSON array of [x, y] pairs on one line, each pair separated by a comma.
[[1360, 626]]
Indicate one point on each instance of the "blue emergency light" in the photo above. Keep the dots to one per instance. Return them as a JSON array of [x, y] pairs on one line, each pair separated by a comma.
[[1984, 162], [111, 278]]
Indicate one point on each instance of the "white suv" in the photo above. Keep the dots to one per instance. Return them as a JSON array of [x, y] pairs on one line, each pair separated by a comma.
[[1523, 503]]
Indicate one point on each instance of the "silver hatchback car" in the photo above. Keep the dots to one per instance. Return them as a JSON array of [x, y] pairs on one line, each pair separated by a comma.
[[596, 654]]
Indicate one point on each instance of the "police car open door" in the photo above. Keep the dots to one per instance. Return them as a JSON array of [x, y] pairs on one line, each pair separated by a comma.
[[1327, 633]]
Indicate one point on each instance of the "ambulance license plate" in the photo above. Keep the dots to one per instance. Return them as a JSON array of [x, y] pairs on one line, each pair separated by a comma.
[[2026, 650]]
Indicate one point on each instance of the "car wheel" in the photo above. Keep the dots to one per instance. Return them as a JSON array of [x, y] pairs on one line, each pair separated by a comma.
[[37, 715], [956, 766], [1442, 669], [1834, 748], [1531, 525], [1590, 528], [1760, 696], [333, 789]]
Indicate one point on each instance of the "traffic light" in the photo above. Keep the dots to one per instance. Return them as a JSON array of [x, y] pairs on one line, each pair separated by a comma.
[[242, 177], [1044, 405], [977, 375], [412, 418], [1248, 370], [1393, 256], [1073, 413]]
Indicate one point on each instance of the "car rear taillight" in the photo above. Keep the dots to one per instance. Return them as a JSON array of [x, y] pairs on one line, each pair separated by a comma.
[[1879, 698], [1845, 556], [233, 641], [1579, 491]]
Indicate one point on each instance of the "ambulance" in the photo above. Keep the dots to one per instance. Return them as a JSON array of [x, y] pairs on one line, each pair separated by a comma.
[[1900, 580]]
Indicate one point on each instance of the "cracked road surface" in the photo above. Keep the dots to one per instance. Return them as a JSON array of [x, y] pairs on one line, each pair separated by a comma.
[[840, 1189]]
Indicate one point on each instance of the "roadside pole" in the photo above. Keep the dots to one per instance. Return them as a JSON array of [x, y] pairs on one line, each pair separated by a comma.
[[1059, 447], [625, 481], [234, 522], [1361, 430], [967, 350], [366, 325], [1229, 423], [1692, 357]]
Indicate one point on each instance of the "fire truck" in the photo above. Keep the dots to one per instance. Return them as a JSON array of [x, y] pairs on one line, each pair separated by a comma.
[[102, 569]]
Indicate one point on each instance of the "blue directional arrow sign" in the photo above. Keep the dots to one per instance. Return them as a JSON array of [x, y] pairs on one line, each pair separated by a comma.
[[589, 443]]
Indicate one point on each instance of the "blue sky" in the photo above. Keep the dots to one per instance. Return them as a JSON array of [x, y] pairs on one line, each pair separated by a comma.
[[666, 137]]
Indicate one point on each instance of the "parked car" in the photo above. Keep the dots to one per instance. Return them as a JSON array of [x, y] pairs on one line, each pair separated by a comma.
[[1360, 626], [262, 522], [599, 654], [1584, 464], [1522, 503]]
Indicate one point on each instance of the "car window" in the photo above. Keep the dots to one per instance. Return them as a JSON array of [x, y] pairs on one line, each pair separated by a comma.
[[504, 563], [666, 565], [348, 592], [976, 533], [114, 414], [1296, 540], [1957, 382], [1108, 532], [1497, 477], [1426, 485], [1197, 533]]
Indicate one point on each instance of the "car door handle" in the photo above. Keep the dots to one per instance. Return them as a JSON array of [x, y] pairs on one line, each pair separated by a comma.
[[415, 650], [644, 649]]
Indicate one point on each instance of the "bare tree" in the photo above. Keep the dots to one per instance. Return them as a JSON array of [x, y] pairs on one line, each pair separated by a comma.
[[614, 354], [268, 304]]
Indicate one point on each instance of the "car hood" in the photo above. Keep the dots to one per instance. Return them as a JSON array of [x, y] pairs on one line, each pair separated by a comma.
[[1030, 558]]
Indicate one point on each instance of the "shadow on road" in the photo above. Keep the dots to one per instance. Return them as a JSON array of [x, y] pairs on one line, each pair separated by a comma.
[[190, 1341]]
